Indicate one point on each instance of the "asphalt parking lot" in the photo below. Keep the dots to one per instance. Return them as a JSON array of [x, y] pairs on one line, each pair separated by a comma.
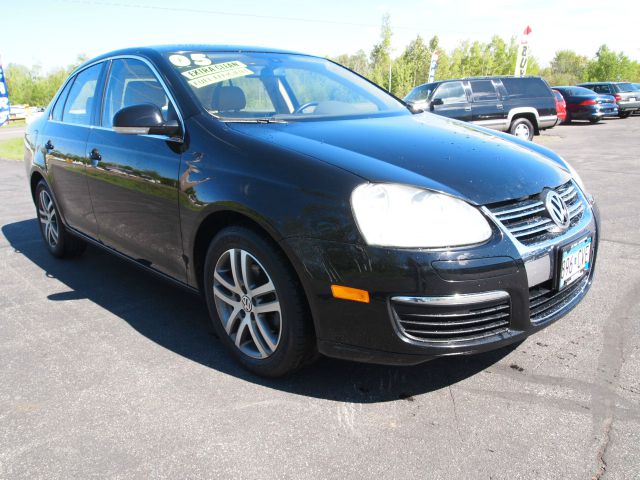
[[108, 372]]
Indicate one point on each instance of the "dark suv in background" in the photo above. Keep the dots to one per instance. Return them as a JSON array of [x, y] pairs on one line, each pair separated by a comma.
[[521, 106], [627, 98]]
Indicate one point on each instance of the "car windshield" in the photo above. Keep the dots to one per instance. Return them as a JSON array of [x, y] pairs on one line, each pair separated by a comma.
[[254, 87], [423, 92]]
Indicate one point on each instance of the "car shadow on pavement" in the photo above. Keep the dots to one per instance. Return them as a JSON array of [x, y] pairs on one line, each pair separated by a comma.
[[177, 320]]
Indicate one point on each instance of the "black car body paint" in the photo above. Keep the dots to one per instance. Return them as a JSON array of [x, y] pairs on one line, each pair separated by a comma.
[[157, 201]]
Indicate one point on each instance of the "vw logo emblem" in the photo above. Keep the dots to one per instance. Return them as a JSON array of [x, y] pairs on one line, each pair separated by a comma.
[[557, 209], [246, 303]]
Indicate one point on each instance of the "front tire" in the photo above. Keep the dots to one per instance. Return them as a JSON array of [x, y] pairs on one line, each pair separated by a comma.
[[256, 303], [594, 120], [522, 128], [59, 241], [624, 114]]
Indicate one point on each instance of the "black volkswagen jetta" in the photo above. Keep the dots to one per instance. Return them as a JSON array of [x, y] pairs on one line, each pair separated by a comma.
[[312, 210]]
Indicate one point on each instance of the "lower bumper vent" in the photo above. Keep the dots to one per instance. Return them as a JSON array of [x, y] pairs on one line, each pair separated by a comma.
[[452, 319]]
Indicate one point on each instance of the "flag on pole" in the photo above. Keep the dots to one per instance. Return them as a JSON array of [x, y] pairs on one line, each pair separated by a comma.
[[433, 66], [4, 98], [523, 54]]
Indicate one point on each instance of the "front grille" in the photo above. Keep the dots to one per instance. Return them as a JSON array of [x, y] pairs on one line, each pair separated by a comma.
[[528, 220], [544, 302], [452, 323]]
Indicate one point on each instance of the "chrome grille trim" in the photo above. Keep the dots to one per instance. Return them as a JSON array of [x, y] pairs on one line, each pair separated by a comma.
[[527, 220], [452, 319]]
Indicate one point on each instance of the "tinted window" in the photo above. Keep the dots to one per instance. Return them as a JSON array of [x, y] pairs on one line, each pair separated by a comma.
[[525, 87], [56, 113], [79, 105], [483, 90], [132, 82], [578, 91], [601, 88], [451, 92]]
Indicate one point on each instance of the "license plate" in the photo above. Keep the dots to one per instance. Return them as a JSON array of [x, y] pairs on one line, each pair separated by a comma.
[[574, 262], [631, 99]]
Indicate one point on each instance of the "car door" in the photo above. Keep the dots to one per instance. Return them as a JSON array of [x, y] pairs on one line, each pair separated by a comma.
[[133, 179], [450, 100], [487, 106], [64, 141]]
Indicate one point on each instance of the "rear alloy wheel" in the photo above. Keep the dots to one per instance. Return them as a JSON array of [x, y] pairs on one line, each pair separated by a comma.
[[624, 114], [59, 242], [522, 128], [256, 303]]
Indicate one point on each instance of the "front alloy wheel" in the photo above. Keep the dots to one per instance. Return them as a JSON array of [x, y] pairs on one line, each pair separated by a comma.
[[247, 303], [256, 303]]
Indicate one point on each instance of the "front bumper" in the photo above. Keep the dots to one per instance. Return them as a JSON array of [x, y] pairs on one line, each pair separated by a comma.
[[372, 332]]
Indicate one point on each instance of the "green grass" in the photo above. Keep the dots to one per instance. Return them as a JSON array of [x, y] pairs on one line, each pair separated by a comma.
[[12, 149]]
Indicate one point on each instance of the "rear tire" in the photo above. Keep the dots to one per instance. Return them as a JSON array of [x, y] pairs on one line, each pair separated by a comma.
[[59, 241], [624, 114], [522, 128], [256, 303], [594, 120]]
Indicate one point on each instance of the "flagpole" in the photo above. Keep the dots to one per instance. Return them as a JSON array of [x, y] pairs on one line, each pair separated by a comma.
[[522, 59], [5, 107]]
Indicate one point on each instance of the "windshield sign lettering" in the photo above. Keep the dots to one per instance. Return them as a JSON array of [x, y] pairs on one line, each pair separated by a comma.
[[203, 76]]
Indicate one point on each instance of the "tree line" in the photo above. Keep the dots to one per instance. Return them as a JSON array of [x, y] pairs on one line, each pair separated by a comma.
[[470, 59], [399, 75]]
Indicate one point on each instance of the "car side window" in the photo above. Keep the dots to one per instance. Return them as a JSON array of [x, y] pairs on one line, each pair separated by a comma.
[[451, 92], [132, 82], [602, 89], [56, 112], [483, 90], [78, 107]]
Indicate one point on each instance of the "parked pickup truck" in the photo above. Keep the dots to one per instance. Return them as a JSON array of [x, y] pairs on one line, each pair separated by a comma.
[[522, 106]]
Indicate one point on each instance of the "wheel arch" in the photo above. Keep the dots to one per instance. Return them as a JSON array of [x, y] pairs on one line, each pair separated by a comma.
[[36, 177], [218, 220]]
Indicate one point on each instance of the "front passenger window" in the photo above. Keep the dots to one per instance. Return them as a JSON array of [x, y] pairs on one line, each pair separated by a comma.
[[132, 82]]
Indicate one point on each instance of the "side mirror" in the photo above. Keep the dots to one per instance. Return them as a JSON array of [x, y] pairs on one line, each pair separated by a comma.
[[437, 101], [144, 119]]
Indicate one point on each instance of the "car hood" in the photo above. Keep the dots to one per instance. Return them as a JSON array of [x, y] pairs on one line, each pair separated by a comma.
[[425, 150]]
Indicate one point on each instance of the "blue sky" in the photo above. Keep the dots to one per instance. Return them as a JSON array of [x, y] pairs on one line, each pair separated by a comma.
[[53, 32]]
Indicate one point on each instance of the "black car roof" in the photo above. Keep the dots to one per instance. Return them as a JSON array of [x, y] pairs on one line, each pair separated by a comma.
[[160, 49]]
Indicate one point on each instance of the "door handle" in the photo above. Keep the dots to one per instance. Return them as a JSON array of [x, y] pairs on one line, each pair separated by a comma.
[[95, 155], [500, 106], [467, 109], [49, 146]]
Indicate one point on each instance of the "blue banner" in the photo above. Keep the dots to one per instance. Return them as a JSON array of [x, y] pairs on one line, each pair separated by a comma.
[[4, 98]]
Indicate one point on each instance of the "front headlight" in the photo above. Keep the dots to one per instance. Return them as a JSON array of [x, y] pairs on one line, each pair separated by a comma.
[[394, 215]]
